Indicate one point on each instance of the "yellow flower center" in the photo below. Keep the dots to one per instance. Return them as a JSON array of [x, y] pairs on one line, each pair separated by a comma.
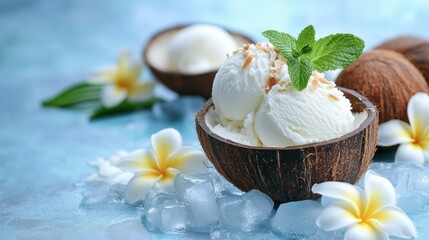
[[418, 139], [123, 83]]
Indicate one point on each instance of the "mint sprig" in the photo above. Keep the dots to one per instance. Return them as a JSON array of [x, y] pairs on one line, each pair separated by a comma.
[[305, 54]]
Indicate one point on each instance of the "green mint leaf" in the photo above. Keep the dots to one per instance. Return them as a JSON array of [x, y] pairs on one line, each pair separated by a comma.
[[335, 51], [284, 42], [300, 70], [74, 95], [123, 107], [306, 49], [306, 38]]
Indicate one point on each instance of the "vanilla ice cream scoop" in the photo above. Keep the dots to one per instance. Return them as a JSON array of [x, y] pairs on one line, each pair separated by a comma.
[[288, 117], [256, 104], [238, 88], [199, 48]]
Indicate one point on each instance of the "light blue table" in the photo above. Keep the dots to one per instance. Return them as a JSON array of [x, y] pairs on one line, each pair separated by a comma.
[[47, 45]]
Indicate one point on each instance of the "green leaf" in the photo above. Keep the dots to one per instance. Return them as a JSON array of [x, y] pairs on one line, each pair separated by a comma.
[[306, 39], [76, 94], [300, 71], [123, 107], [336, 51], [284, 42]]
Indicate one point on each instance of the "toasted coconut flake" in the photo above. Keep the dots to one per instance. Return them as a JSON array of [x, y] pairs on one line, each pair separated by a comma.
[[314, 85], [245, 47], [247, 62], [271, 81], [332, 97], [322, 80]]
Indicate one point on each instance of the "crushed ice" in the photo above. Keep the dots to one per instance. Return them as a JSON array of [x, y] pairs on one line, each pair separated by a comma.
[[210, 205]]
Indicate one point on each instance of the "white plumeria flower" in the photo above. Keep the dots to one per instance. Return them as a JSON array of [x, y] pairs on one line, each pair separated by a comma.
[[160, 169], [122, 82], [414, 137], [109, 172], [368, 214]]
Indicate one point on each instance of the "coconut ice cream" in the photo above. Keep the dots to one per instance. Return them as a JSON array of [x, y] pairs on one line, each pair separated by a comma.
[[255, 103], [199, 48]]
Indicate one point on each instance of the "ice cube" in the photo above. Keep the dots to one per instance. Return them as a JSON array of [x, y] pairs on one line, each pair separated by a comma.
[[174, 218], [246, 212], [96, 192], [153, 202], [101, 193], [408, 177], [223, 187], [154, 198], [322, 235], [225, 234], [412, 202], [128, 230], [169, 216], [382, 169], [198, 196], [297, 219]]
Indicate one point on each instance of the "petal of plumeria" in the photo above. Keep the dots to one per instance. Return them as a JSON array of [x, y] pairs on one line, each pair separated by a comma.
[[379, 193], [124, 62], [334, 217], [138, 161], [112, 96], [409, 152], [142, 92], [164, 143], [425, 148], [394, 132], [395, 222], [134, 71], [418, 112], [351, 196], [104, 75], [188, 160], [139, 185], [167, 182], [366, 230]]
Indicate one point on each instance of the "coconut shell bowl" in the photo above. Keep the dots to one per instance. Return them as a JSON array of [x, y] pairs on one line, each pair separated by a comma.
[[288, 174], [156, 57]]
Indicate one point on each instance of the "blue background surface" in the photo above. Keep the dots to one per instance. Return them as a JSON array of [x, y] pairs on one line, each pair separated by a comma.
[[48, 45]]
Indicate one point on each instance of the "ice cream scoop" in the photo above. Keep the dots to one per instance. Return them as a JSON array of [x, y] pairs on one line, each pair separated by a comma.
[[288, 117], [157, 56], [238, 88], [200, 48], [256, 103]]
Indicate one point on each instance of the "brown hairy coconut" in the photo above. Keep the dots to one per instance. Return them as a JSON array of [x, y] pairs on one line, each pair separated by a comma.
[[415, 49], [387, 79]]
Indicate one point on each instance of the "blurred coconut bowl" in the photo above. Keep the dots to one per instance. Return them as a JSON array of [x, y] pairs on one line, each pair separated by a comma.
[[288, 174], [155, 55]]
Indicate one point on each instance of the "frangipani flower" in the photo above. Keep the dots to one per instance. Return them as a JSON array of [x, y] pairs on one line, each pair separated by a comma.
[[160, 169], [414, 137], [122, 82], [368, 214]]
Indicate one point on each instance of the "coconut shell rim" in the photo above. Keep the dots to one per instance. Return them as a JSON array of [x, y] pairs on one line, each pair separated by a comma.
[[370, 109]]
